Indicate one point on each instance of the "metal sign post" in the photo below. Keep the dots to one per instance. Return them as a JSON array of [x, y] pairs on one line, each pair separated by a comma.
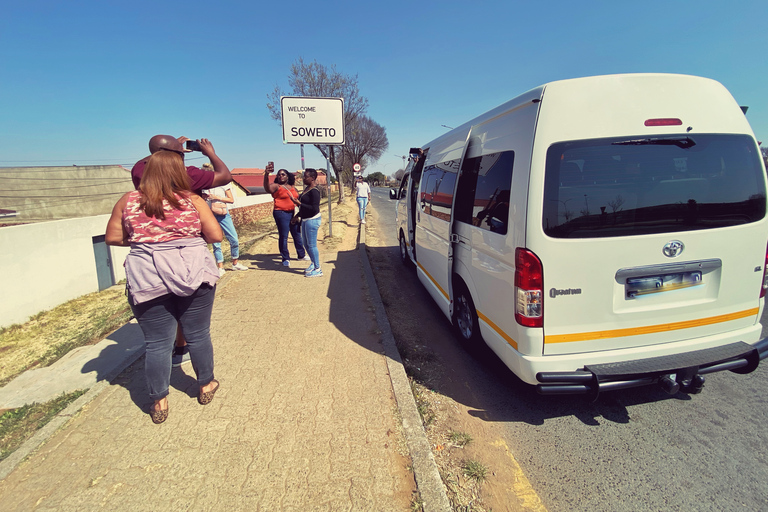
[[311, 120]]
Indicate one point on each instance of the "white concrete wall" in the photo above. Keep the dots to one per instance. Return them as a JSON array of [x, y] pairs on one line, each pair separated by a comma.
[[241, 201], [46, 264]]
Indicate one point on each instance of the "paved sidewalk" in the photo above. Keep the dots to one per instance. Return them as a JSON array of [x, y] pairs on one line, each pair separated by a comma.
[[306, 417]]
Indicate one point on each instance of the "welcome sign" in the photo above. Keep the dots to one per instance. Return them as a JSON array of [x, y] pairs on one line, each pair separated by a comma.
[[310, 120]]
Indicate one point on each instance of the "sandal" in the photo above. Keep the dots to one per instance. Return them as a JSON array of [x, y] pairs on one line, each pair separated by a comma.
[[207, 397], [158, 416]]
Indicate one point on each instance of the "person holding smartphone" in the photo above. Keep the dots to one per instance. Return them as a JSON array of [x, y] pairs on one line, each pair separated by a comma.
[[284, 195], [200, 178]]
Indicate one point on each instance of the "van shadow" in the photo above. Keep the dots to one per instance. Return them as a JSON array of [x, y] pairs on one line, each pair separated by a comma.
[[350, 309], [477, 378]]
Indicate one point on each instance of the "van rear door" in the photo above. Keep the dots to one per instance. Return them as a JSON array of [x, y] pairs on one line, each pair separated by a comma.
[[650, 240]]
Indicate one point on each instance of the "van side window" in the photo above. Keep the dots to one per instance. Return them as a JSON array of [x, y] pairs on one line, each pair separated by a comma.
[[427, 191], [484, 191], [403, 186], [443, 199]]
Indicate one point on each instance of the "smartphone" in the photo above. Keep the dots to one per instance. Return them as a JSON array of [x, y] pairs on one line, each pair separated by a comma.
[[193, 145], [272, 164]]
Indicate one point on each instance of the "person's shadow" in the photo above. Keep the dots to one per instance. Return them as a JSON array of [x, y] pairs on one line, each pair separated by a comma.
[[122, 363]]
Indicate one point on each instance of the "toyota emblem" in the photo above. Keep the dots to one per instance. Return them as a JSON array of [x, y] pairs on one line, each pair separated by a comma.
[[673, 249]]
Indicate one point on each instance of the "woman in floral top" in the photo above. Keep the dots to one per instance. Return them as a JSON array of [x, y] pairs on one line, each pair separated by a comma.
[[171, 275]]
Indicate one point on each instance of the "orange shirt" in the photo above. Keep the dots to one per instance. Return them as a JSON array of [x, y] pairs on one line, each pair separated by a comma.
[[282, 199]]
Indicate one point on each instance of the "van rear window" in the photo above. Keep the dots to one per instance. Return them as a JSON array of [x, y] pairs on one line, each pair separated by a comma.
[[653, 184]]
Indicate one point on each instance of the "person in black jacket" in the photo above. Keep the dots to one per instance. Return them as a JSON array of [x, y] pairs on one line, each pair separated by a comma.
[[309, 216]]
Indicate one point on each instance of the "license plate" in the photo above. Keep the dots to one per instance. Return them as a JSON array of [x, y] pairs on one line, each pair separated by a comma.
[[657, 284]]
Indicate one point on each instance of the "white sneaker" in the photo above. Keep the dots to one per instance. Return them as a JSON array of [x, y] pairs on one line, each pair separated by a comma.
[[221, 272], [306, 258], [239, 266], [287, 263], [362, 221]]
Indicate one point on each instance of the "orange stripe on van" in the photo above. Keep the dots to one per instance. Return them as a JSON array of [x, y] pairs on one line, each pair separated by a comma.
[[651, 329], [433, 280], [497, 329]]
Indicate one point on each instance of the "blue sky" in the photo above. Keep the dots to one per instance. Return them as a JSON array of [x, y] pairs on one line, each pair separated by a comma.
[[88, 83]]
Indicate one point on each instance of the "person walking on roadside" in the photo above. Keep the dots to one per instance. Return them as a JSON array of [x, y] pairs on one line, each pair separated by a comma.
[[309, 217], [363, 196], [170, 273], [284, 194], [218, 198]]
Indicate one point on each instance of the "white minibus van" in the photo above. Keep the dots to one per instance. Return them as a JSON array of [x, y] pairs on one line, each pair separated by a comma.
[[597, 233]]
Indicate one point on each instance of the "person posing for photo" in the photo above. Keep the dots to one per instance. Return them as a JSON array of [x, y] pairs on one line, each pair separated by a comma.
[[284, 194]]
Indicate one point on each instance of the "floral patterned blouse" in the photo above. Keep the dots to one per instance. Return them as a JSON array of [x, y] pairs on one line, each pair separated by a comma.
[[184, 223]]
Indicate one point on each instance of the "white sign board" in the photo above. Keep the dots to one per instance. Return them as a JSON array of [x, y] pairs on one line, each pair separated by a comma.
[[356, 167], [309, 120]]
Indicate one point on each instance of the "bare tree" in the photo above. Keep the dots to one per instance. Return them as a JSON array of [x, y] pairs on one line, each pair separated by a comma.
[[316, 80]]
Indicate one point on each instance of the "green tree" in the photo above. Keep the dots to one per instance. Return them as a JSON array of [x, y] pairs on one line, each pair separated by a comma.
[[317, 80], [376, 178]]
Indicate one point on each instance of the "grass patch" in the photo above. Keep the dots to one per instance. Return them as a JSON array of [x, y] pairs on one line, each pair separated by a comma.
[[422, 403], [460, 439], [18, 425], [474, 470], [49, 335]]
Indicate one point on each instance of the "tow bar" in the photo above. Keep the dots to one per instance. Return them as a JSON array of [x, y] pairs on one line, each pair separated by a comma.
[[676, 373]]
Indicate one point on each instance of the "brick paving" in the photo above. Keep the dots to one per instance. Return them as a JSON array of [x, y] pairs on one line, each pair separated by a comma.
[[305, 419]]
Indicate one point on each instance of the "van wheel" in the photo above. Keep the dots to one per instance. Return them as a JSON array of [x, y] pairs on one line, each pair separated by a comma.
[[404, 251], [465, 317]]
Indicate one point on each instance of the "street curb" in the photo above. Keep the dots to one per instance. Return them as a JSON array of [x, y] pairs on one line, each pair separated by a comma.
[[428, 480]]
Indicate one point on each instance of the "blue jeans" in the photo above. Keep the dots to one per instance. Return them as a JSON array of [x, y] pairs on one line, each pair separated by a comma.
[[362, 202], [309, 229], [158, 319], [228, 227], [283, 221]]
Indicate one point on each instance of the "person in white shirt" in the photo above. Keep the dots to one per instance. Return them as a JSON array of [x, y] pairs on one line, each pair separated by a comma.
[[217, 199], [363, 196]]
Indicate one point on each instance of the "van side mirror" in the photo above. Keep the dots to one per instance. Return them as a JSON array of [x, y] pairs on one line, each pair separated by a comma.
[[393, 193]]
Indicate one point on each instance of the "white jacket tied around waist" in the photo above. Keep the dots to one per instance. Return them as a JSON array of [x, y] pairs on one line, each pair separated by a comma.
[[179, 267]]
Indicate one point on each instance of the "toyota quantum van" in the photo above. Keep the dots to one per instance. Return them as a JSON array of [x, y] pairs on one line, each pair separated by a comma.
[[597, 233]]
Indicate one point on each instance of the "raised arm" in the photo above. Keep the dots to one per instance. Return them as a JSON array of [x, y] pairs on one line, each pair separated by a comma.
[[222, 176], [269, 188]]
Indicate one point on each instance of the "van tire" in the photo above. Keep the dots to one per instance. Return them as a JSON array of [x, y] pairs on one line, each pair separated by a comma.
[[465, 322], [404, 257]]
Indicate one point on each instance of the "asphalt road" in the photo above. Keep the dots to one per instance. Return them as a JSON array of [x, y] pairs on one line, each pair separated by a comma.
[[632, 450]]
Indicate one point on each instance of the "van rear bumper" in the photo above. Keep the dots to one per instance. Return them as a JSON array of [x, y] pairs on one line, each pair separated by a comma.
[[684, 369]]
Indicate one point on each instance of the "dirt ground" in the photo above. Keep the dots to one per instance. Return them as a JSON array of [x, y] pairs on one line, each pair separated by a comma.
[[431, 354]]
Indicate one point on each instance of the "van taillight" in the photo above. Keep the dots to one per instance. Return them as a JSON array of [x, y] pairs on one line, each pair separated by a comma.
[[666, 121], [529, 292], [765, 275]]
